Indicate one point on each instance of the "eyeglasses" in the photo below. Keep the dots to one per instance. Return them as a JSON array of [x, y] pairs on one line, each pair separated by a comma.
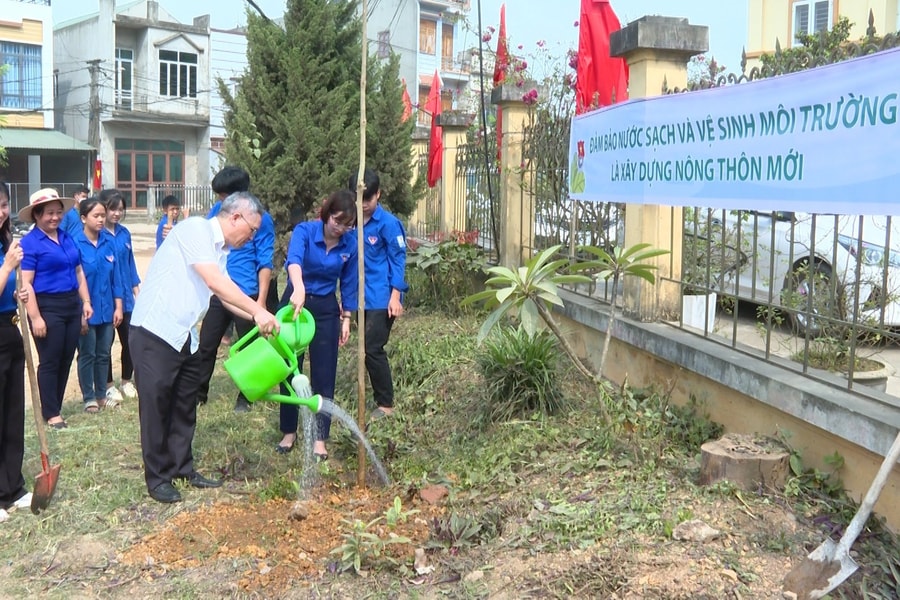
[[343, 226], [253, 229]]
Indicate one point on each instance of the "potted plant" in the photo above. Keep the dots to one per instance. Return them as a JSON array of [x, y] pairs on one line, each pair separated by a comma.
[[839, 337], [708, 254]]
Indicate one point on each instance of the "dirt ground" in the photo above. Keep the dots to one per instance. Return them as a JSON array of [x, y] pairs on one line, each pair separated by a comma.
[[232, 547]]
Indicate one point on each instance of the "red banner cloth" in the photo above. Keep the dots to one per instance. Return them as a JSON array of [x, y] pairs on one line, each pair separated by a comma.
[[601, 79], [98, 175], [502, 63], [436, 144], [407, 103]]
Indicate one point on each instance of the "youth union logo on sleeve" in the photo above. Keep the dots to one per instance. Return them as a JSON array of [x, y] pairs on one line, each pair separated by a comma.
[[400, 241]]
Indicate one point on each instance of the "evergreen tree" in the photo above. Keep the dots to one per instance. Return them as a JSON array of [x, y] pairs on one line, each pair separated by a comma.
[[293, 122]]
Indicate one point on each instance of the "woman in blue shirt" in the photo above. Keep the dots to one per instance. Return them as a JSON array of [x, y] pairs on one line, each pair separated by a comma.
[[128, 276], [12, 372], [321, 254], [98, 259], [58, 297]]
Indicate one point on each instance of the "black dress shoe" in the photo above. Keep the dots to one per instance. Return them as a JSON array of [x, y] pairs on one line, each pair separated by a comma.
[[241, 405], [199, 481], [165, 493]]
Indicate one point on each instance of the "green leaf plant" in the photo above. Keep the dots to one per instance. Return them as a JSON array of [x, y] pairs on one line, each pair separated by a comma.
[[618, 264], [529, 291]]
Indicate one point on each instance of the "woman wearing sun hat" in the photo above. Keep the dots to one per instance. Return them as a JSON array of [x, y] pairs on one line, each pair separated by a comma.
[[58, 299]]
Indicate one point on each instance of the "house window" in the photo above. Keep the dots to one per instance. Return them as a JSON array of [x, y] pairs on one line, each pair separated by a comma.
[[20, 84], [384, 44], [447, 47], [124, 70], [177, 74], [141, 163], [427, 33], [812, 16]]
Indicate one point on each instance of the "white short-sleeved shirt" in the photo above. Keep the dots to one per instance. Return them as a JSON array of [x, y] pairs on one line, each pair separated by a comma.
[[174, 298]]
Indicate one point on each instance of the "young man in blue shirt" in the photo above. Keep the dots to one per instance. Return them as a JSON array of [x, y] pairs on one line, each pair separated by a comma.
[[71, 222], [250, 267], [384, 241]]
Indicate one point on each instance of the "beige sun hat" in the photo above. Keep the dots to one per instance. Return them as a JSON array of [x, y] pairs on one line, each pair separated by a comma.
[[43, 197]]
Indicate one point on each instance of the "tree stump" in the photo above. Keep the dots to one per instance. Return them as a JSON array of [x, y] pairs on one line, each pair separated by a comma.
[[747, 461]]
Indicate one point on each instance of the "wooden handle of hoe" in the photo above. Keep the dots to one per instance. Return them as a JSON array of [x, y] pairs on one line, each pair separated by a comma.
[[29, 362]]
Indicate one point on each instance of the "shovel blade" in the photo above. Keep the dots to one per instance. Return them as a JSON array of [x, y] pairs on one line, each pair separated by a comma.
[[819, 573], [44, 488]]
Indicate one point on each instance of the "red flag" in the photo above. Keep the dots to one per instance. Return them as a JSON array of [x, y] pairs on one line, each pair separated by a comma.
[[436, 144], [502, 63], [601, 78], [98, 172], [407, 103]]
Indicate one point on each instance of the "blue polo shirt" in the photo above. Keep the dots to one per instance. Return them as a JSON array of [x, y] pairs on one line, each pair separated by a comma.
[[244, 263], [7, 297], [322, 270], [71, 222], [385, 246], [101, 273], [126, 265], [53, 263]]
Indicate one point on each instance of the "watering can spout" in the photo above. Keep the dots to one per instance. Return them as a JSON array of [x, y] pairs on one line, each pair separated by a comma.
[[304, 392]]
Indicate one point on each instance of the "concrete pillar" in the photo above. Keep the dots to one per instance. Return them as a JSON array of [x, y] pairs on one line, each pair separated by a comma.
[[35, 178], [415, 223], [453, 196], [516, 203], [657, 50]]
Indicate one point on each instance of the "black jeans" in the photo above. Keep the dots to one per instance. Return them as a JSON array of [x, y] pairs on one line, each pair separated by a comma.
[[62, 314], [166, 381], [378, 330], [215, 323], [12, 414], [127, 365]]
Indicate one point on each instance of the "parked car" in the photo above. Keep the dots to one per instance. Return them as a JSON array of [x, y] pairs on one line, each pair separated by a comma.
[[845, 267]]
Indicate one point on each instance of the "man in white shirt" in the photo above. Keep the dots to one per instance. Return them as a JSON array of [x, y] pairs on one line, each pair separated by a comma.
[[164, 337]]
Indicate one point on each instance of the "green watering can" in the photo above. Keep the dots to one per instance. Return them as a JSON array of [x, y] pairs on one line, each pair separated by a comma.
[[257, 364]]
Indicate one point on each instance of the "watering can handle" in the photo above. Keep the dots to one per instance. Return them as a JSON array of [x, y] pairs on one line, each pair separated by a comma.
[[252, 334]]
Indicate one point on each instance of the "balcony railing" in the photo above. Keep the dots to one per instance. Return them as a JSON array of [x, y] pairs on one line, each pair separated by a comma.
[[41, 2]]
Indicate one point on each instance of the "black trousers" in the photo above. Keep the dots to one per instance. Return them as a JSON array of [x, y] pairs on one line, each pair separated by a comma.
[[215, 323], [166, 380], [62, 314], [12, 415], [323, 358], [125, 356], [378, 330]]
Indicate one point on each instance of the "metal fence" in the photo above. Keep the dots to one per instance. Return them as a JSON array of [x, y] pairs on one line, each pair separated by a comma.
[[198, 199], [20, 192], [425, 222], [478, 192], [816, 293]]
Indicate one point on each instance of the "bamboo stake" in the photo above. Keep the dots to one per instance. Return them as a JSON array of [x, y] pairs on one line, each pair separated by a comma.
[[360, 248]]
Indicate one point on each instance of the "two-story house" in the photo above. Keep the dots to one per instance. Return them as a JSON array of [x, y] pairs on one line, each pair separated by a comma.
[[135, 83], [428, 35], [37, 156], [782, 20]]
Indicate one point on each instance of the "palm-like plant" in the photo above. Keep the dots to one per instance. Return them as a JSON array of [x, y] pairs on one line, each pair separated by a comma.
[[530, 290], [616, 265]]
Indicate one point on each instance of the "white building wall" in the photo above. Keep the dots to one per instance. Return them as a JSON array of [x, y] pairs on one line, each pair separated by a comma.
[[228, 61]]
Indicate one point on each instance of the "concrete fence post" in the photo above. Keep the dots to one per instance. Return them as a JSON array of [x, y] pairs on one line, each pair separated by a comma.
[[516, 202], [453, 198], [657, 50]]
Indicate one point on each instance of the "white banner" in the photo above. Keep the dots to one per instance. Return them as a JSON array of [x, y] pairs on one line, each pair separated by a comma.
[[826, 140]]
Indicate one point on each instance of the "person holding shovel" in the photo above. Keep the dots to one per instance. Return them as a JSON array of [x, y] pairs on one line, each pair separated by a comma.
[[164, 338], [12, 372]]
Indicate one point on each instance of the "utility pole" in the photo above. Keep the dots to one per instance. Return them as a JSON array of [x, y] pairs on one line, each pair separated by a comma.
[[94, 118]]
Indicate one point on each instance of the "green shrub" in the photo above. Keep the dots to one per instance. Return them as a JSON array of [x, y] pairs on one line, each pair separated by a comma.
[[444, 272], [520, 374]]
